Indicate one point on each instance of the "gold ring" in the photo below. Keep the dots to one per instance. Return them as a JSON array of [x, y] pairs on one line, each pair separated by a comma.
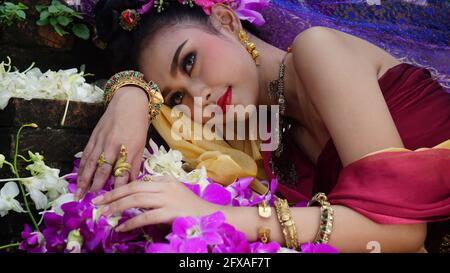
[[102, 160], [147, 178], [121, 164]]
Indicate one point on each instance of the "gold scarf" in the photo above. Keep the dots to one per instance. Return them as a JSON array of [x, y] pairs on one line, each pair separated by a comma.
[[224, 161]]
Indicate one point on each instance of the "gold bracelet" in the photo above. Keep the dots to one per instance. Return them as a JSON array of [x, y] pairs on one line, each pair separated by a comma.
[[264, 211], [326, 218], [287, 223], [135, 78]]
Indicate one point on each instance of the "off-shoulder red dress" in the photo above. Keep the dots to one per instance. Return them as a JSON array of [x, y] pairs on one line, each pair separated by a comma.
[[389, 188]]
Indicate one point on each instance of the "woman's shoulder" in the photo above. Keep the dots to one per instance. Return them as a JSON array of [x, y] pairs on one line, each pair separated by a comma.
[[322, 44]]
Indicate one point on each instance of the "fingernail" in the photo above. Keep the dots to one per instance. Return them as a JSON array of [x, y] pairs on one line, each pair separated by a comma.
[[104, 209], [78, 194], [97, 199], [120, 228]]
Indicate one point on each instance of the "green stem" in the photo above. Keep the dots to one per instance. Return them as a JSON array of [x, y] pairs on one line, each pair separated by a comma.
[[24, 158], [16, 172], [11, 166], [10, 245]]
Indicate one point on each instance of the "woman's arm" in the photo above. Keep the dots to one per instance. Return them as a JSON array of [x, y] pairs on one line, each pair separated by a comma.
[[352, 232], [166, 199]]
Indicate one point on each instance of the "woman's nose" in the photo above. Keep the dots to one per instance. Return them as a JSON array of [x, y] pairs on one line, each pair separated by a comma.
[[201, 91]]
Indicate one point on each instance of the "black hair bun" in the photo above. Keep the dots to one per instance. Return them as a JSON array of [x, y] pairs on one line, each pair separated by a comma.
[[107, 16]]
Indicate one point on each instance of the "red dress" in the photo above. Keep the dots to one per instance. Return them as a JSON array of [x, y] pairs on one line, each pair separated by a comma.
[[421, 111]]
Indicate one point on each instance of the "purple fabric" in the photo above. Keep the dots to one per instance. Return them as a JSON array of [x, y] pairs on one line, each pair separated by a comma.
[[414, 31]]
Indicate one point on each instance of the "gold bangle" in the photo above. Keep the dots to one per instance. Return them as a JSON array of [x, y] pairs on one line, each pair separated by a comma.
[[287, 223], [135, 78], [326, 218]]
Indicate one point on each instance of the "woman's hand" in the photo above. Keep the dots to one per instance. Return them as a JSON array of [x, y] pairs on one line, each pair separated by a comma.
[[164, 196], [125, 122]]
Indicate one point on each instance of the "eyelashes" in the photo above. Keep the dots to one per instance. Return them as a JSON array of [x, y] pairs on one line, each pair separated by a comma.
[[176, 98], [188, 63], [187, 66]]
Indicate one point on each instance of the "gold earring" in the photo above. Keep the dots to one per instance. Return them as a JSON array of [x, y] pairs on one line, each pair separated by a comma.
[[251, 47]]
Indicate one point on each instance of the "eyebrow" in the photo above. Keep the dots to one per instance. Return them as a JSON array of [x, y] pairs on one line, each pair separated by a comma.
[[173, 66]]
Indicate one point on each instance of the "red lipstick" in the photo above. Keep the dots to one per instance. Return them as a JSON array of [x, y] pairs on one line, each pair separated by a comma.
[[225, 99]]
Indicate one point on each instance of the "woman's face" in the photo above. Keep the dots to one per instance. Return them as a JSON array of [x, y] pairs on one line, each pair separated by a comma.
[[189, 62]]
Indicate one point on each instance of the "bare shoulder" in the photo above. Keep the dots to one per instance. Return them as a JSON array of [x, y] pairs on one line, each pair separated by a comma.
[[340, 77], [317, 41]]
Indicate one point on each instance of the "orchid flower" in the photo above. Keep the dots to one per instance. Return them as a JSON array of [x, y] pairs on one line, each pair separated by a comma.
[[33, 83], [7, 202]]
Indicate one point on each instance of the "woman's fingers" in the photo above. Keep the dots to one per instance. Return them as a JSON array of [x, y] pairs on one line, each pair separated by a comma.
[[84, 180], [131, 188], [154, 216], [103, 171], [86, 153], [145, 200], [136, 167]]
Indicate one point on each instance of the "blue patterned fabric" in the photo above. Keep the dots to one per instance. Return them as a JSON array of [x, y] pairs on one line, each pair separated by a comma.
[[414, 31]]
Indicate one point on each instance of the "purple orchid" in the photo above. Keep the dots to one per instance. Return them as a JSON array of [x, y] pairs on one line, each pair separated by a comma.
[[33, 242], [257, 247], [205, 228], [249, 10], [178, 245], [234, 241], [213, 193], [244, 9], [318, 248]]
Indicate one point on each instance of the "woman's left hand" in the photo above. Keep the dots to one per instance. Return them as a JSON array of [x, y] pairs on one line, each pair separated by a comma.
[[164, 196]]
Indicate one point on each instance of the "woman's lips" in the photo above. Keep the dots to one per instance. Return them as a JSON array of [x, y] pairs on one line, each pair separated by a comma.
[[225, 99]]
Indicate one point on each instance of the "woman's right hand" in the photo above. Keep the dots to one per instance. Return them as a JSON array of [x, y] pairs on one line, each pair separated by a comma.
[[126, 122]]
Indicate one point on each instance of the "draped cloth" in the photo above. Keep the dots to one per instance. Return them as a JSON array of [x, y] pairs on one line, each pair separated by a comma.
[[395, 185], [224, 161]]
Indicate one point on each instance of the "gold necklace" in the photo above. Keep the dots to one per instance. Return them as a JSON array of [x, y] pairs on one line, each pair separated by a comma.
[[283, 168], [276, 92]]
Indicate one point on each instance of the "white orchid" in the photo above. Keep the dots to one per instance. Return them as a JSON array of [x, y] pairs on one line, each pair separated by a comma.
[[74, 241], [44, 179], [7, 202], [63, 84], [196, 176], [164, 162], [57, 203]]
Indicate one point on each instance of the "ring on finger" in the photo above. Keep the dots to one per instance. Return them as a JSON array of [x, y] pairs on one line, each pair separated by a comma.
[[121, 164], [102, 160], [147, 178]]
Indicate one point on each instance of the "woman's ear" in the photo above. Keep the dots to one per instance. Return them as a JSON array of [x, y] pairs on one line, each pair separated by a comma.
[[222, 15]]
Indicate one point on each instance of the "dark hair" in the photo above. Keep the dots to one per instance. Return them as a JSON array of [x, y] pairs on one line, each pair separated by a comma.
[[124, 46]]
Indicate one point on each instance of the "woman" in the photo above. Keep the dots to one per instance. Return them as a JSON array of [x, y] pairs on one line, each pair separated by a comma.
[[346, 98]]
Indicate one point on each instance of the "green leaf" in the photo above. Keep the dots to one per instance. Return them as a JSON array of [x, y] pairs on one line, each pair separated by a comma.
[[66, 9], [44, 15], [53, 21], [53, 9], [21, 14], [81, 31], [59, 30], [42, 22], [63, 20], [40, 8], [9, 5], [22, 6], [78, 15]]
